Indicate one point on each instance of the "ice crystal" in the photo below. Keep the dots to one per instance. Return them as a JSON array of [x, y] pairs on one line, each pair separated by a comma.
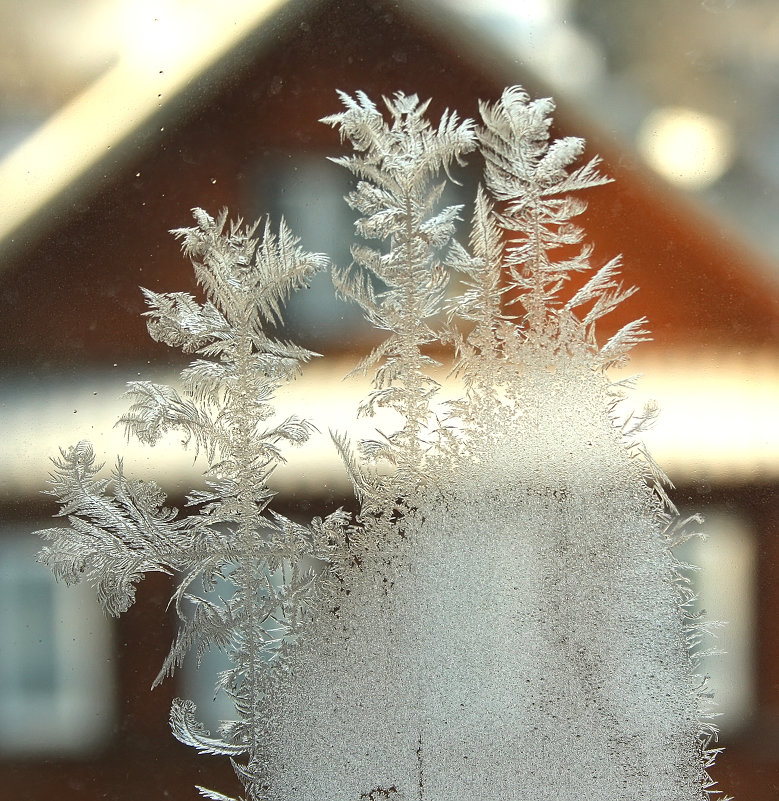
[[505, 619], [119, 529]]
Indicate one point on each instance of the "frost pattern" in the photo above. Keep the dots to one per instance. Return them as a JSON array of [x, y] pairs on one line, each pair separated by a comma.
[[505, 619], [119, 530], [399, 194]]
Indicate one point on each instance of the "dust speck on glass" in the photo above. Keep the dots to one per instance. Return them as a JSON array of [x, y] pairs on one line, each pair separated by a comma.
[[504, 617]]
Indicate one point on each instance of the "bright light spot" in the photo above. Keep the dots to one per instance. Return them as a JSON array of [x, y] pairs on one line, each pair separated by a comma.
[[687, 147]]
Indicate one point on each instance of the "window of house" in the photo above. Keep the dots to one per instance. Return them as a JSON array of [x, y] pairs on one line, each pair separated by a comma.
[[726, 585], [57, 691]]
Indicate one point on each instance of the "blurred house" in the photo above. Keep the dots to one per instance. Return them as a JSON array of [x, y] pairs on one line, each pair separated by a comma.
[[230, 119]]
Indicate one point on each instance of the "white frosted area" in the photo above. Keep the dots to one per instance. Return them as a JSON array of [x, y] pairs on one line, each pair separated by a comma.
[[522, 641]]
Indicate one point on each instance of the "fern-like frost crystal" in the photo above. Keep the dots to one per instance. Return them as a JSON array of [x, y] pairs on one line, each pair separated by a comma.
[[506, 618], [119, 529]]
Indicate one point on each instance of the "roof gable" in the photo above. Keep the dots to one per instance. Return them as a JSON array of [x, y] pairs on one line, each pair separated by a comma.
[[259, 103]]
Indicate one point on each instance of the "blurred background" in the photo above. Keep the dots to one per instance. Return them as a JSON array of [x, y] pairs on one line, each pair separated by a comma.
[[116, 118]]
